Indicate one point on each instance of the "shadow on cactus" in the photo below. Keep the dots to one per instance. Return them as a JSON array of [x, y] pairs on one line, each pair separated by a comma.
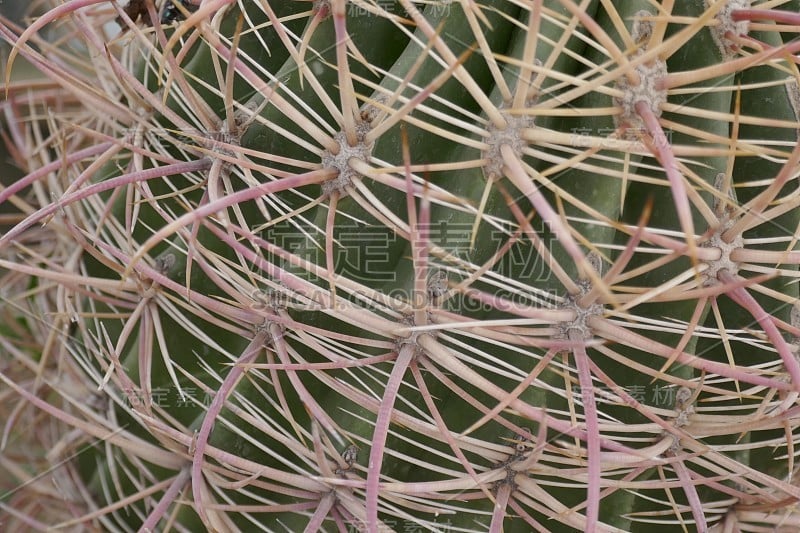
[[443, 266]]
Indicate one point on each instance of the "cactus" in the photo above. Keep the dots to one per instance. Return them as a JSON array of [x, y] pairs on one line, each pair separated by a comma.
[[410, 266]]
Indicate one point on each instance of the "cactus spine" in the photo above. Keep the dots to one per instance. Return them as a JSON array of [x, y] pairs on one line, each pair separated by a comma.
[[331, 265]]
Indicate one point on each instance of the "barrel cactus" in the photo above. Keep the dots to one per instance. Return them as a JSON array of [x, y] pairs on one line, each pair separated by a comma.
[[401, 266]]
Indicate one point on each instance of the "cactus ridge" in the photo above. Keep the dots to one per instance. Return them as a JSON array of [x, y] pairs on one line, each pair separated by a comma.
[[401, 266]]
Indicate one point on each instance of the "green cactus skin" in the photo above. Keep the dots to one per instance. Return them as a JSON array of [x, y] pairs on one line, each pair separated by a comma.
[[403, 266]]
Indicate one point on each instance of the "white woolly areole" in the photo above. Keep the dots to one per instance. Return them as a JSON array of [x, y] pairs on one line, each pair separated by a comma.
[[341, 161], [642, 30], [582, 312], [510, 136], [582, 315], [724, 262], [727, 26], [644, 91], [793, 92]]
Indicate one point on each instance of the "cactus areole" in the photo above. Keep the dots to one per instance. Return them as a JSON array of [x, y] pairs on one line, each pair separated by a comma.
[[401, 266]]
